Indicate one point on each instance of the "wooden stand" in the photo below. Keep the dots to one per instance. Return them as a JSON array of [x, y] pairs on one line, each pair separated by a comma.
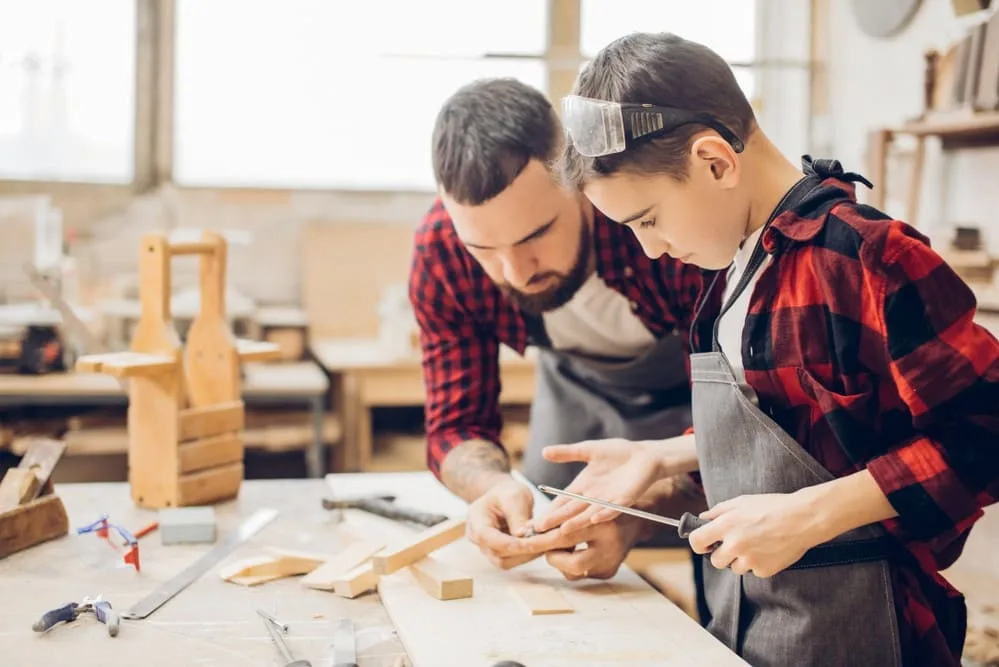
[[185, 407], [30, 512]]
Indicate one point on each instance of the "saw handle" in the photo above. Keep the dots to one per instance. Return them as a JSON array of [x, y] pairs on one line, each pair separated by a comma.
[[49, 619]]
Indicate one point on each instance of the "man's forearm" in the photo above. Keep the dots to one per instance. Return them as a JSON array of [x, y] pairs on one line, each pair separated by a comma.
[[473, 467]]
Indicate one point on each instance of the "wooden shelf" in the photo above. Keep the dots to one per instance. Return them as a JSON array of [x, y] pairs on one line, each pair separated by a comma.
[[967, 129]]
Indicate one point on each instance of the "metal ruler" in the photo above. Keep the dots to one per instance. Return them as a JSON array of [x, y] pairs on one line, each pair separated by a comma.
[[166, 591]]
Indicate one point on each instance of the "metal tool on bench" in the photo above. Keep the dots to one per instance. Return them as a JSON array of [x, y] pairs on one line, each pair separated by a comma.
[[263, 614], [343, 653], [384, 506], [685, 525], [283, 648], [68, 613], [165, 592]]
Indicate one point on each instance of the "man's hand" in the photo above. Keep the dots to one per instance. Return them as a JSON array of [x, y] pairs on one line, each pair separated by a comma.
[[762, 534], [617, 470], [607, 545], [494, 520]]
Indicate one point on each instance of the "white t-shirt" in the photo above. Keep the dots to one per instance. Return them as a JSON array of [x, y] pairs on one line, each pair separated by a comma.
[[733, 322], [598, 322]]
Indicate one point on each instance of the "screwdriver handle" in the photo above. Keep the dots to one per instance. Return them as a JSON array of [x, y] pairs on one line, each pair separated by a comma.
[[691, 522], [49, 619]]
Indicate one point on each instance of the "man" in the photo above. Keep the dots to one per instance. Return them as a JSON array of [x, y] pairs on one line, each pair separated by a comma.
[[507, 255]]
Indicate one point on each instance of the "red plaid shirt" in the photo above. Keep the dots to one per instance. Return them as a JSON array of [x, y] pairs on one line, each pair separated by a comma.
[[860, 343], [463, 317]]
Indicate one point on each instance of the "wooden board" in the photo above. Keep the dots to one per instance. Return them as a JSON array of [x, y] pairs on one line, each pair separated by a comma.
[[326, 575], [620, 622], [419, 546], [441, 581], [541, 598]]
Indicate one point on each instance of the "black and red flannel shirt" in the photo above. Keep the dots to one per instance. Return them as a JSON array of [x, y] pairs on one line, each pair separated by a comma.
[[463, 317], [860, 342]]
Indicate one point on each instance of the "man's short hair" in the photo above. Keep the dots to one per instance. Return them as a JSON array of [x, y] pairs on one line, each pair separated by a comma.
[[487, 132], [661, 69]]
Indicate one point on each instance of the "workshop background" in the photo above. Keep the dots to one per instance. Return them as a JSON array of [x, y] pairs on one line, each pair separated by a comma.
[[300, 131]]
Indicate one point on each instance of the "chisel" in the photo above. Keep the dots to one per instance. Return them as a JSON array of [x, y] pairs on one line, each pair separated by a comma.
[[685, 525]]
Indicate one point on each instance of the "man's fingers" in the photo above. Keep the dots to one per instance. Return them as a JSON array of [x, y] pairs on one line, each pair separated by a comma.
[[516, 561], [547, 541], [515, 510], [556, 515], [580, 521], [495, 540], [567, 453], [575, 564], [603, 514]]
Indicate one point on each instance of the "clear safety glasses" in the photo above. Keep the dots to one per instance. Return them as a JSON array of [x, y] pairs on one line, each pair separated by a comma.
[[599, 127]]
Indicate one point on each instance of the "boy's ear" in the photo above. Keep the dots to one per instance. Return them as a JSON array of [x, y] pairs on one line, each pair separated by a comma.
[[716, 155]]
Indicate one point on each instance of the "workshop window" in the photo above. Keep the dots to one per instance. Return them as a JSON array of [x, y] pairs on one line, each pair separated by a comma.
[[734, 38], [320, 94], [67, 76]]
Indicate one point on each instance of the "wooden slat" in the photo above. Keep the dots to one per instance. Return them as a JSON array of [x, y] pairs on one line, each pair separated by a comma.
[[210, 485], [358, 581], [541, 598], [211, 420], [355, 554], [422, 545], [257, 350], [126, 364], [209, 452]]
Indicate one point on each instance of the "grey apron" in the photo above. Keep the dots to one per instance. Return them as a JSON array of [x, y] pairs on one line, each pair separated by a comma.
[[833, 607], [577, 398]]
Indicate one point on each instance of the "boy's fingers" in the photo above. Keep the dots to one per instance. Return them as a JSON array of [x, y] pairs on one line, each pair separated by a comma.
[[567, 453]]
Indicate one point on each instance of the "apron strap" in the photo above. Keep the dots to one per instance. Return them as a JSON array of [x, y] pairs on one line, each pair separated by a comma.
[[847, 553]]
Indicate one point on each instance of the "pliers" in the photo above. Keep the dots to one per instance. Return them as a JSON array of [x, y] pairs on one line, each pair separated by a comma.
[[100, 607]]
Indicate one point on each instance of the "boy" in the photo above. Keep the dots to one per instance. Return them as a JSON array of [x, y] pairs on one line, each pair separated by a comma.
[[846, 416]]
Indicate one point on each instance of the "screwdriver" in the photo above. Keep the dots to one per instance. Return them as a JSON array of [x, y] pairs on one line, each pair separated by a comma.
[[685, 525]]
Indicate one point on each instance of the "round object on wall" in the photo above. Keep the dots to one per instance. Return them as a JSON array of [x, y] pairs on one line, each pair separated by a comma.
[[884, 18]]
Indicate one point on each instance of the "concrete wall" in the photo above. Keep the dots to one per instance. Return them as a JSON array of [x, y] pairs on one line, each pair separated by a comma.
[[879, 82]]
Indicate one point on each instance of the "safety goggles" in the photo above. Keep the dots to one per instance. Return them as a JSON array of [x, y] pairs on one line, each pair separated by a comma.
[[599, 127]]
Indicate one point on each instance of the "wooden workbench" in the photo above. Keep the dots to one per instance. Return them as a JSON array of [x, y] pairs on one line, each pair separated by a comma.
[[368, 377], [299, 383], [214, 623]]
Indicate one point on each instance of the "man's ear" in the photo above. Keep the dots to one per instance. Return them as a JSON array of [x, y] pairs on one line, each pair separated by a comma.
[[718, 157]]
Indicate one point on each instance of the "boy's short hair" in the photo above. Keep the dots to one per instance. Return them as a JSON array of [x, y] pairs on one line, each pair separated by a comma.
[[487, 132], [666, 70]]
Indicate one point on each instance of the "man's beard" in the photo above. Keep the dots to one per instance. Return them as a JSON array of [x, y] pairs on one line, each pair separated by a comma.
[[566, 284]]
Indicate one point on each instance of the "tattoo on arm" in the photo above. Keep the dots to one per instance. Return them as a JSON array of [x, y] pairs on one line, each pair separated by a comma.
[[472, 467]]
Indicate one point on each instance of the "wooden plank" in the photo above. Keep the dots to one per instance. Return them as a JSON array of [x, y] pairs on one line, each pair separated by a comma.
[[257, 350], [441, 581], [420, 546], [39, 521], [357, 581], [357, 553], [126, 364], [18, 486], [42, 456], [209, 452], [211, 420], [209, 486], [541, 599]]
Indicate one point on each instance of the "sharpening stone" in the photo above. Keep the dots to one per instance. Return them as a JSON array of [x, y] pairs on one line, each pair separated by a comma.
[[187, 525]]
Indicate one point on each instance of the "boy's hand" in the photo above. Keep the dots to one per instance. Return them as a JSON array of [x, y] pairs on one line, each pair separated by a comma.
[[607, 545], [763, 534]]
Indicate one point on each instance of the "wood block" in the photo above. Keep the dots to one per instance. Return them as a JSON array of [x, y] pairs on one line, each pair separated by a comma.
[[209, 452], [421, 546], [18, 486], [439, 581], [270, 567], [211, 420], [324, 577], [210, 486], [290, 341], [361, 579], [42, 455], [541, 598], [35, 522]]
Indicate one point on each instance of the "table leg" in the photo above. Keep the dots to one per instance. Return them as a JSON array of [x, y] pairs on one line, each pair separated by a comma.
[[315, 456], [350, 406], [365, 437]]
